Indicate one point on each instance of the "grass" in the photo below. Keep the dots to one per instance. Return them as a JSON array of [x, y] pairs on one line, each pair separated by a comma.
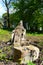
[[30, 63], [34, 34], [4, 35]]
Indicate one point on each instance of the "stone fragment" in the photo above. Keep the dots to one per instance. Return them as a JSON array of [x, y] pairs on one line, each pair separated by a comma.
[[1, 63], [41, 63], [27, 53]]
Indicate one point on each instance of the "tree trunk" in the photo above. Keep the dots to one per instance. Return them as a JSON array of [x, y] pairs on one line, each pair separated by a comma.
[[7, 13], [8, 17]]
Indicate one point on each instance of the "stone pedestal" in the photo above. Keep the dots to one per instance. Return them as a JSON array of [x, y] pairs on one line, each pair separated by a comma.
[[26, 53]]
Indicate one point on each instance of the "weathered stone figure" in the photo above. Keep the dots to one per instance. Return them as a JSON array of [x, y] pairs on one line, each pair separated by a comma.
[[27, 53], [19, 34]]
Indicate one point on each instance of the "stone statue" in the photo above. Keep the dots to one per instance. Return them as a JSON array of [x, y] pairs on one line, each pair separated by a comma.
[[19, 34], [21, 23], [27, 53]]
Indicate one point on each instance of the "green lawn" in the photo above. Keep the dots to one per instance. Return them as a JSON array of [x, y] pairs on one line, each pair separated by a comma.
[[34, 34], [35, 37], [4, 35]]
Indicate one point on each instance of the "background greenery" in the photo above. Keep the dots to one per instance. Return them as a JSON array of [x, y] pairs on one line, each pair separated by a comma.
[[30, 11]]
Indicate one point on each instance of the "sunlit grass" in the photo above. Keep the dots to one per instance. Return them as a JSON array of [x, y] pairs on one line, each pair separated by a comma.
[[4, 35], [34, 34], [30, 63]]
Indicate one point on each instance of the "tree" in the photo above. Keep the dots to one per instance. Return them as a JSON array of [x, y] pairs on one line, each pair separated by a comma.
[[26, 9], [7, 3], [13, 20]]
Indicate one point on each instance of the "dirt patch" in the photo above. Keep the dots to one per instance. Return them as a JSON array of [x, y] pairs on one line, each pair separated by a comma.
[[35, 38]]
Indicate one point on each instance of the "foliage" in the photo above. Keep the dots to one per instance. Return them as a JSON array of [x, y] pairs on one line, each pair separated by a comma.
[[30, 11], [6, 53], [30, 63], [2, 56], [13, 19], [0, 25]]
